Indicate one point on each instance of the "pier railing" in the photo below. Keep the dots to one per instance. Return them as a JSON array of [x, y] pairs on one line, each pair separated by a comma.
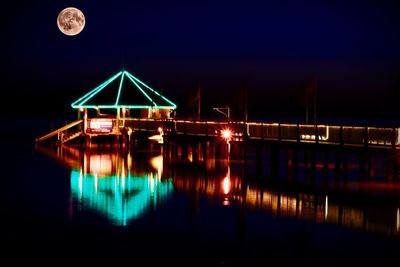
[[286, 132], [239, 131], [60, 131]]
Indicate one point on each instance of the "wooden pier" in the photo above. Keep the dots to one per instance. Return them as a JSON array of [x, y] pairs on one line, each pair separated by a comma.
[[123, 106], [232, 131]]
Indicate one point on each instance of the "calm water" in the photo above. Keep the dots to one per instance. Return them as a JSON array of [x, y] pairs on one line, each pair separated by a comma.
[[138, 207]]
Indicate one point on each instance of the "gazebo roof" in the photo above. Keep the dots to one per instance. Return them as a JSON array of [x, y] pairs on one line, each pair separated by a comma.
[[123, 90]]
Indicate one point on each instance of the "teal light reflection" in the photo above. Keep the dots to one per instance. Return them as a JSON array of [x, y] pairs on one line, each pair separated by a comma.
[[120, 198]]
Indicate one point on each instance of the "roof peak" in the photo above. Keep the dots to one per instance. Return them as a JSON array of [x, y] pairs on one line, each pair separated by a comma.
[[123, 90]]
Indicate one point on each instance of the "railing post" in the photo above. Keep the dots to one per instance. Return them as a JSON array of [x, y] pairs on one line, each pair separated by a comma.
[[341, 132], [316, 133], [298, 132], [245, 132], [279, 132], [366, 136], [394, 138], [262, 131]]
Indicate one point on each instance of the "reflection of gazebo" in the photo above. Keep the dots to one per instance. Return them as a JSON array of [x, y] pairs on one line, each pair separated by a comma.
[[124, 96], [121, 199], [114, 184]]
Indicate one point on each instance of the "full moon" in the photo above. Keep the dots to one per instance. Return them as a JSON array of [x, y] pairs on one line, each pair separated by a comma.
[[71, 21]]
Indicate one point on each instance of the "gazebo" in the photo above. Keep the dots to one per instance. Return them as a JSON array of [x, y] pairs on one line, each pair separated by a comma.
[[122, 96]]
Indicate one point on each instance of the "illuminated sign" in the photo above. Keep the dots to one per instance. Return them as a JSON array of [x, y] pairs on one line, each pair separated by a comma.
[[101, 125]]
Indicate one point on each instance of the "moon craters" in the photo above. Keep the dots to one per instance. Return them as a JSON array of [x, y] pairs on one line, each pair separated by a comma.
[[71, 21]]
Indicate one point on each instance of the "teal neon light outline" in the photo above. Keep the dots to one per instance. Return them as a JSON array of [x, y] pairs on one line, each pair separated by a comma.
[[87, 97], [119, 89], [91, 96], [148, 87], [95, 91], [148, 97], [101, 86], [154, 91], [81, 101], [123, 106]]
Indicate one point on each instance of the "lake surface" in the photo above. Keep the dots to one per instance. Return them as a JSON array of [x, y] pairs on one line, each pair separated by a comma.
[[135, 206]]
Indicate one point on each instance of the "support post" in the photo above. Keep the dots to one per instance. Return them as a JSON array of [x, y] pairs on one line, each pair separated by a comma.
[[366, 136], [326, 165], [279, 132], [341, 132], [259, 159], [394, 138], [298, 132], [85, 121]]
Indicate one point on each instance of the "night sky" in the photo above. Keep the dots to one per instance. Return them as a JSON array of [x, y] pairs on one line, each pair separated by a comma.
[[269, 49]]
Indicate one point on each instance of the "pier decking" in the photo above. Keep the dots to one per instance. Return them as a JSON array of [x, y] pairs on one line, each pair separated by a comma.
[[239, 131]]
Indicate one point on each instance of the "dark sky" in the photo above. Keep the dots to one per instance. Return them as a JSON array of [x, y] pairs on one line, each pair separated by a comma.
[[272, 48]]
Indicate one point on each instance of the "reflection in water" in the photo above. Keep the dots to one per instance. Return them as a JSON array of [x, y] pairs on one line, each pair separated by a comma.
[[351, 213], [124, 187], [111, 188], [398, 220], [121, 199], [226, 186]]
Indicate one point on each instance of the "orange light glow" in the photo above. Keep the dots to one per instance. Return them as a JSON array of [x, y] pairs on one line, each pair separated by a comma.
[[157, 163], [226, 185], [100, 165], [226, 134]]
